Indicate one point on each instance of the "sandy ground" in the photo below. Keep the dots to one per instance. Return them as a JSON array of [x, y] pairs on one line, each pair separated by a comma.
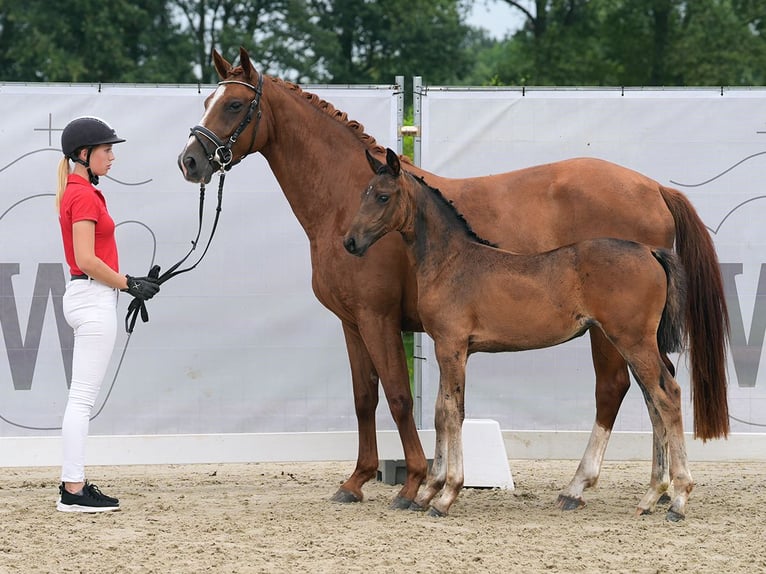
[[242, 518]]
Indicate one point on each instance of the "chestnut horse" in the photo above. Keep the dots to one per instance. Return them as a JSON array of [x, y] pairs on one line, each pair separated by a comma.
[[477, 298], [527, 211]]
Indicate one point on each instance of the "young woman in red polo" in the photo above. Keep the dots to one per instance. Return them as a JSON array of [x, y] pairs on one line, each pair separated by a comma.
[[90, 300]]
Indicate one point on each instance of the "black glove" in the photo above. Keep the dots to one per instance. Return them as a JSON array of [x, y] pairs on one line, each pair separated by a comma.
[[147, 287], [142, 288]]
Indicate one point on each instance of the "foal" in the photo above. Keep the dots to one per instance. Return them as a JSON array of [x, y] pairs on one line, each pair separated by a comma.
[[474, 297]]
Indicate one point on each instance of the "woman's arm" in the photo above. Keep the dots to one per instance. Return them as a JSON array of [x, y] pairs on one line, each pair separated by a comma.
[[84, 241]]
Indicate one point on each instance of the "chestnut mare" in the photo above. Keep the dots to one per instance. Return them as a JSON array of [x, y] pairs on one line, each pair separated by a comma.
[[530, 210], [475, 297]]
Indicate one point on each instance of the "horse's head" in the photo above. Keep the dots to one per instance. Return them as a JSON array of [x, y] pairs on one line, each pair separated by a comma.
[[385, 207], [228, 130]]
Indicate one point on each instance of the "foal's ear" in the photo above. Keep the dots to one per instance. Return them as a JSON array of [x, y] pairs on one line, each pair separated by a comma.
[[244, 61], [222, 67], [392, 159], [375, 164]]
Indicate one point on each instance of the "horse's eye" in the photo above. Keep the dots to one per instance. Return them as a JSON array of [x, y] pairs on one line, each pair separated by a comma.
[[235, 106], [382, 199]]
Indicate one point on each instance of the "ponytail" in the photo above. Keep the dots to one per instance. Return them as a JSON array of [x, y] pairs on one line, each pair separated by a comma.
[[63, 174]]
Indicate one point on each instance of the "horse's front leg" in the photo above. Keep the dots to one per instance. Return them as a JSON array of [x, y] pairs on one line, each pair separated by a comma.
[[382, 337], [450, 413], [365, 385], [612, 383]]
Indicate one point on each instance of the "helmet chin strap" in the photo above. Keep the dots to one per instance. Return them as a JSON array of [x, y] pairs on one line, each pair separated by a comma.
[[93, 178]]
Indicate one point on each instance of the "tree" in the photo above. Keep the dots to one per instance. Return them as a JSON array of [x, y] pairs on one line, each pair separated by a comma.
[[91, 41], [376, 40], [280, 34], [627, 42]]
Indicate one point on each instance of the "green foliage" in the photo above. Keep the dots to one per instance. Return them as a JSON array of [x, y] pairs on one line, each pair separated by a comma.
[[630, 43], [562, 42], [91, 41], [374, 40]]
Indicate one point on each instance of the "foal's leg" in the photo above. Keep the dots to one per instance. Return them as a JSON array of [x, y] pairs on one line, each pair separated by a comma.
[[447, 468], [612, 382], [663, 397], [660, 480]]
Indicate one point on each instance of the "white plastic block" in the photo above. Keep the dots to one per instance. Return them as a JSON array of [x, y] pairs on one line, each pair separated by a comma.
[[485, 462]]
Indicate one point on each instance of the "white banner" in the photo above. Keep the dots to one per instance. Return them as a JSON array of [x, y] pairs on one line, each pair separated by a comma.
[[240, 344], [708, 143]]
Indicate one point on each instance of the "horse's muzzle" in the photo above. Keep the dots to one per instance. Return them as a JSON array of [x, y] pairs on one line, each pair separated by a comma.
[[192, 169]]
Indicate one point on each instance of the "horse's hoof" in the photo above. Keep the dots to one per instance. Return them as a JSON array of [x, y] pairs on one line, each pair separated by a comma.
[[569, 502], [436, 513], [664, 498], [400, 503], [643, 511], [345, 496], [415, 507], [674, 516]]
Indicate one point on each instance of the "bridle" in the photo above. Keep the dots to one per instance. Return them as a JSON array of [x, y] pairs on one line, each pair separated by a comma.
[[222, 157]]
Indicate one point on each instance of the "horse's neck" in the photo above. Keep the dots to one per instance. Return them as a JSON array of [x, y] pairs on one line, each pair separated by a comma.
[[303, 151]]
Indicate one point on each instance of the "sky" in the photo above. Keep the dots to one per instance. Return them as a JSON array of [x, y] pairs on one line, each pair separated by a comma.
[[496, 16]]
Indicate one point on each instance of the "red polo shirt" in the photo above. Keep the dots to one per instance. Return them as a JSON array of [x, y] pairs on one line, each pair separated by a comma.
[[83, 202]]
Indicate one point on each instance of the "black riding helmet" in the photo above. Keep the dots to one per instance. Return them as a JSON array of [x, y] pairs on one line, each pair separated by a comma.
[[86, 132]]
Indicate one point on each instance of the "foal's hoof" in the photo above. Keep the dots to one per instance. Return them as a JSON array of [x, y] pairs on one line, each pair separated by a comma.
[[415, 507], [569, 502], [664, 498], [436, 513], [400, 503], [674, 516], [345, 496]]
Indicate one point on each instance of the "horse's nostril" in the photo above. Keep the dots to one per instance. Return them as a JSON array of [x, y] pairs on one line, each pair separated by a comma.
[[350, 245], [190, 163]]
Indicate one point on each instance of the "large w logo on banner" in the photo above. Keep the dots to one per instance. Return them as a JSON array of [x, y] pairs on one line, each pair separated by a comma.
[[50, 283]]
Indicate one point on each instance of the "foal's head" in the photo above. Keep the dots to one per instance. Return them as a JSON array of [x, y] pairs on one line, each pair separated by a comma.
[[386, 205]]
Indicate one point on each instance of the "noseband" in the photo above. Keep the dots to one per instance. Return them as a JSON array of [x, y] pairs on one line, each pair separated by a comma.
[[222, 155]]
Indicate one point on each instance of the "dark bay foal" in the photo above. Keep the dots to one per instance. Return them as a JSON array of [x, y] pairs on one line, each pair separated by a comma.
[[475, 297]]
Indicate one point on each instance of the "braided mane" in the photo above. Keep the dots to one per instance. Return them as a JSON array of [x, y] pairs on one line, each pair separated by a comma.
[[329, 109], [451, 206]]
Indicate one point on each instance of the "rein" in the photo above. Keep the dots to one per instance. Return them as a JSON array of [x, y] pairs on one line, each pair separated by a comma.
[[222, 157]]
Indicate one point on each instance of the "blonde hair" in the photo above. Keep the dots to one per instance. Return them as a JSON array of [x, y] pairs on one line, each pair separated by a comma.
[[63, 174]]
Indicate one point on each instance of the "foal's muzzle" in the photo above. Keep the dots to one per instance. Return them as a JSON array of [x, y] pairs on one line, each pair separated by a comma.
[[350, 244]]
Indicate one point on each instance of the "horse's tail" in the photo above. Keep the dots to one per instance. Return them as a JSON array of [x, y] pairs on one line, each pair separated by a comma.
[[707, 318]]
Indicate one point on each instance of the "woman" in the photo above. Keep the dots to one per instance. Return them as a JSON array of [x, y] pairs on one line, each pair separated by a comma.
[[90, 300]]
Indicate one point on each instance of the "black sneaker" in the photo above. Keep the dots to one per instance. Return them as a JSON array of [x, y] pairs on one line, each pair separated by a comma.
[[89, 499]]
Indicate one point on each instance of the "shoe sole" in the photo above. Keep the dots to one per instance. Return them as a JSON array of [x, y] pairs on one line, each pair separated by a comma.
[[61, 507]]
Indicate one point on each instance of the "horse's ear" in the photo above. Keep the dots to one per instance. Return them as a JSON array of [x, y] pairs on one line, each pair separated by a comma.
[[375, 164], [244, 61], [392, 159], [222, 67]]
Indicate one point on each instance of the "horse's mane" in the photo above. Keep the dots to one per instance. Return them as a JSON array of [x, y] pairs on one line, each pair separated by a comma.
[[329, 109], [451, 207]]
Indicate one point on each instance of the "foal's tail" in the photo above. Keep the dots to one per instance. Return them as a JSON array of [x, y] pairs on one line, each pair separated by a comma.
[[707, 318], [671, 334]]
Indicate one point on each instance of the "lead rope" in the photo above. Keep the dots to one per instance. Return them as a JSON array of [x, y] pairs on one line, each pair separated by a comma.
[[138, 306]]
